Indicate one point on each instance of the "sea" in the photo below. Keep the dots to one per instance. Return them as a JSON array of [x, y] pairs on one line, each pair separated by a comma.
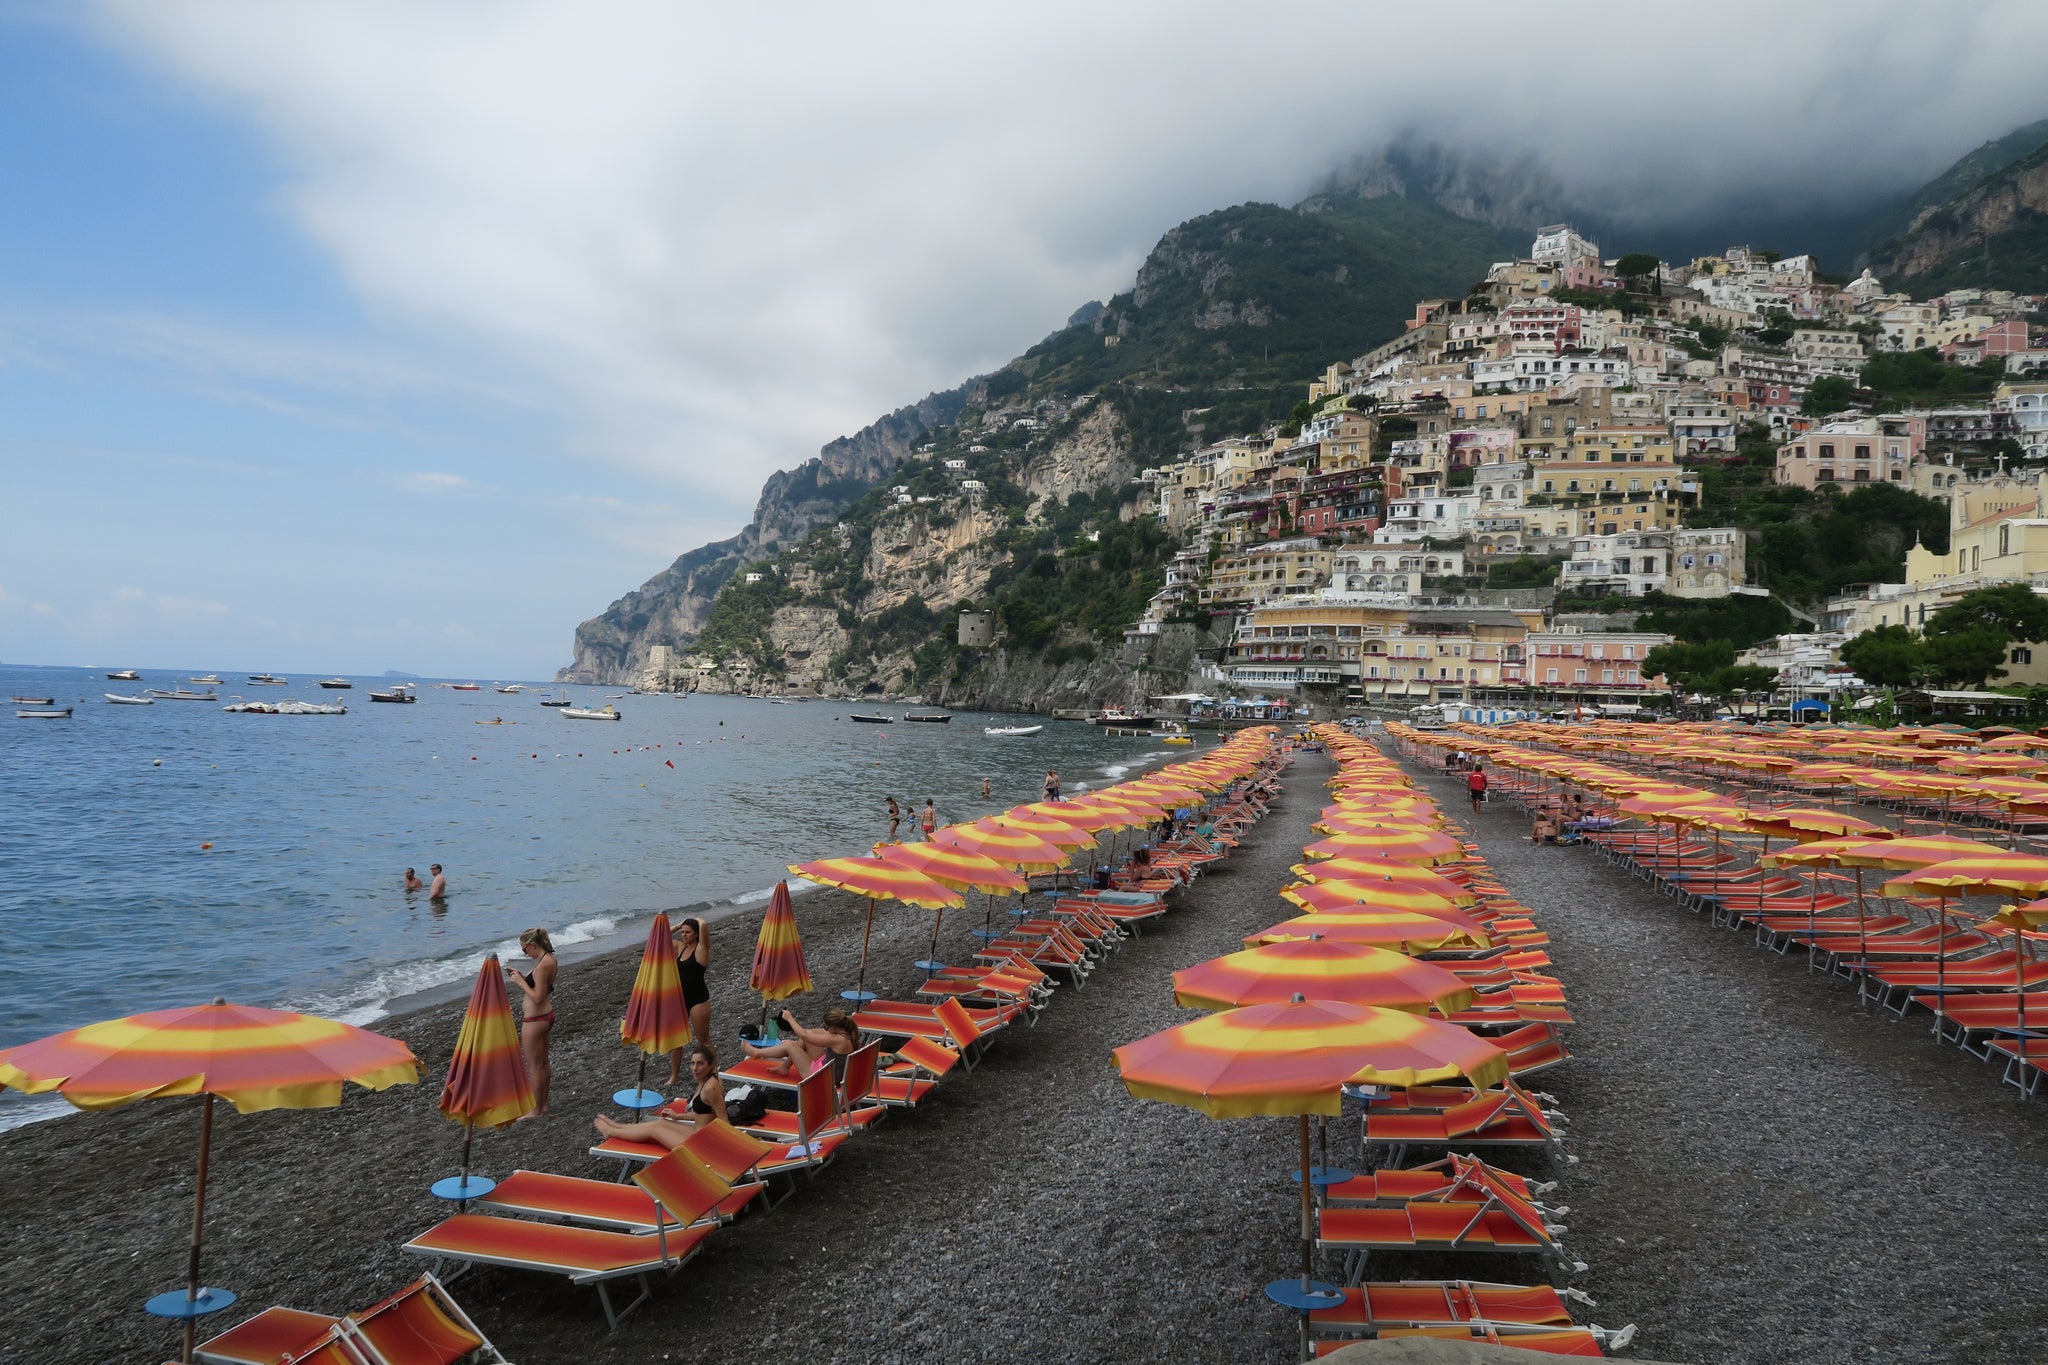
[[153, 856]]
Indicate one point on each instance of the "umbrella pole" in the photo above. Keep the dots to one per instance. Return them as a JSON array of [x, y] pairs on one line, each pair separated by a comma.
[[468, 1132], [937, 920], [1862, 938], [1308, 1215], [199, 1221], [1941, 962], [860, 983]]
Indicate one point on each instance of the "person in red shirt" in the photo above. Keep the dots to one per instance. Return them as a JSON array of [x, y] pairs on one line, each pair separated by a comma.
[[1475, 787]]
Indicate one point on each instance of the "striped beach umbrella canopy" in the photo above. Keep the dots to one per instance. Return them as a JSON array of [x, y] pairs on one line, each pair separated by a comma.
[[253, 1058], [1366, 822], [779, 969], [1081, 815], [1805, 822], [1922, 850], [1340, 895], [486, 1086], [1142, 810], [877, 879], [1016, 848], [1992, 763], [2022, 874], [1403, 843], [1169, 794], [952, 866], [657, 1021], [1405, 931], [1321, 969], [1054, 831], [1383, 872]]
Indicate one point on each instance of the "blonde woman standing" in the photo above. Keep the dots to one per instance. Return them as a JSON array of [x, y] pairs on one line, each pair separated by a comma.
[[538, 1024]]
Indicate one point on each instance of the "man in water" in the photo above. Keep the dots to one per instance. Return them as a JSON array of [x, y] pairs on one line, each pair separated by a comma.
[[412, 881], [439, 891], [984, 789]]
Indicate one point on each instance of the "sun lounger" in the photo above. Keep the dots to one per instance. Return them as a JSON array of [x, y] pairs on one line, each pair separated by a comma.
[[1557, 1341], [1508, 1117], [966, 1031], [1399, 1185], [773, 1158], [421, 1324], [588, 1256], [919, 1065], [1443, 1303], [600, 1203]]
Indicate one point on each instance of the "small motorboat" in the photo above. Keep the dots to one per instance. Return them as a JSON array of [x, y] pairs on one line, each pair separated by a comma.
[[256, 708], [400, 694], [34, 701], [44, 713], [605, 712], [266, 680], [873, 720], [307, 708], [336, 684], [180, 694], [465, 687], [119, 700], [1121, 719], [495, 720], [1010, 731], [940, 718], [556, 701], [208, 680], [510, 689], [125, 675]]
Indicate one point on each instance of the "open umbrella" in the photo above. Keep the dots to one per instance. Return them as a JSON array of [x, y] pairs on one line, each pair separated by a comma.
[[1322, 969], [1343, 895], [779, 969], [2020, 873], [1293, 1058], [1384, 871], [876, 879], [1400, 930], [486, 1085], [1403, 843], [957, 868], [656, 1019], [2019, 921], [255, 1059]]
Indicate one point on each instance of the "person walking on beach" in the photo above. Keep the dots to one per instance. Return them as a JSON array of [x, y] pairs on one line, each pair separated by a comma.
[[1475, 787], [539, 1023], [413, 882], [929, 821], [895, 818], [1052, 785], [692, 944], [439, 891]]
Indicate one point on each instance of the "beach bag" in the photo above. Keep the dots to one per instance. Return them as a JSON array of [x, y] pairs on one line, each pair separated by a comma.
[[744, 1104]]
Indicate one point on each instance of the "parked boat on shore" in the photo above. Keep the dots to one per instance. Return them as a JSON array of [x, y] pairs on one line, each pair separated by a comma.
[[605, 712], [1010, 731], [117, 699]]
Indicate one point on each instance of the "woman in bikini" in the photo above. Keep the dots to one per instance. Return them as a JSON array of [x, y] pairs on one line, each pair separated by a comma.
[[539, 1021], [692, 943], [804, 1050], [707, 1103]]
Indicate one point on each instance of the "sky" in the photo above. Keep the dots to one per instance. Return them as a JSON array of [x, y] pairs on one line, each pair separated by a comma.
[[407, 335]]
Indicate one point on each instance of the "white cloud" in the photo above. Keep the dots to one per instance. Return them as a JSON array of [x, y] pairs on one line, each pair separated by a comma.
[[428, 482], [729, 235]]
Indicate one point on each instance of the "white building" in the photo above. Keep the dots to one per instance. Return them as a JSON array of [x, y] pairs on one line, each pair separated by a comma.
[[1560, 245], [1627, 565], [1529, 368]]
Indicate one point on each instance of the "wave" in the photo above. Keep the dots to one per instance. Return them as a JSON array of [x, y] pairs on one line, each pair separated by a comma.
[[19, 1111], [368, 1001]]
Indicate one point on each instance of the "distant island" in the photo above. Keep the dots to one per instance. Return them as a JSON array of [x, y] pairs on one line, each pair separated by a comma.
[[395, 673]]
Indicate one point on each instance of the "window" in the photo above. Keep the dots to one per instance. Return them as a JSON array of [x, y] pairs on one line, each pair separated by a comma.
[[2021, 654], [1550, 675], [1579, 675]]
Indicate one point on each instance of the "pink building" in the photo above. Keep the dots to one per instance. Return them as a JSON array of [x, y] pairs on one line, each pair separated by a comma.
[[2000, 339], [1590, 274]]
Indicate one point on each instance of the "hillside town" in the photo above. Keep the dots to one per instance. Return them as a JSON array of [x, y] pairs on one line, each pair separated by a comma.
[[1564, 412]]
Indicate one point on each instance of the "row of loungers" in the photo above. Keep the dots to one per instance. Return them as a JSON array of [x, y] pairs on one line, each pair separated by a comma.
[[1965, 979], [666, 1204], [1460, 1202]]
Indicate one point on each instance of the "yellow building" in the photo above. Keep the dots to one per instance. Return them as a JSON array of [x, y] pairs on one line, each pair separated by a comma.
[[1384, 648]]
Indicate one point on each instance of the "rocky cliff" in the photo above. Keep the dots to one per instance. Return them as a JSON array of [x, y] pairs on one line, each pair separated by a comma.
[[1993, 235], [670, 608]]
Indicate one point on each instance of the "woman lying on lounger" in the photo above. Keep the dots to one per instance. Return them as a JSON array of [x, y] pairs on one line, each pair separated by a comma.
[[707, 1102], [803, 1050]]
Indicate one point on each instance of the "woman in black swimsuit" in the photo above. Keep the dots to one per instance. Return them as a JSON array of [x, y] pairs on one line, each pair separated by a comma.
[[707, 1103], [693, 954]]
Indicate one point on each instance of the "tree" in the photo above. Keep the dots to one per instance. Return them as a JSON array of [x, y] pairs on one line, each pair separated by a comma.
[[1689, 665], [1829, 393], [1970, 656], [2014, 610], [1884, 656], [1636, 265], [1738, 680]]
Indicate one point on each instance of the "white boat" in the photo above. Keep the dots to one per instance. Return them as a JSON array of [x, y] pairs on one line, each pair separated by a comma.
[[309, 708], [510, 689], [125, 675], [210, 680], [45, 713], [119, 700], [180, 694], [266, 680], [336, 684], [556, 701], [586, 713], [260, 708], [1010, 731]]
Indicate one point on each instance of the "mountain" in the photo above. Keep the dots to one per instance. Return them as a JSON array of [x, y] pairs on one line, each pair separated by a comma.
[[1989, 231], [1226, 315]]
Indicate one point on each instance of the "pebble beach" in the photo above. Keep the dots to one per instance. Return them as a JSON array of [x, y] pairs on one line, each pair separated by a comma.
[[1766, 1171]]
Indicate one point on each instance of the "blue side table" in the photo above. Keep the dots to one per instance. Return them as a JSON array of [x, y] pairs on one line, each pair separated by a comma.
[[1322, 1177], [175, 1305], [1289, 1293], [462, 1189], [637, 1100], [928, 966], [859, 997]]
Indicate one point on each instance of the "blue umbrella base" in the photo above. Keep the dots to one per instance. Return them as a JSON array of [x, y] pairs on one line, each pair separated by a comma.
[[638, 1099], [1289, 1294], [174, 1303], [463, 1187]]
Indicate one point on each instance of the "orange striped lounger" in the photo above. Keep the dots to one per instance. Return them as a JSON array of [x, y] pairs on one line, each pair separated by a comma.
[[1442, 1303]]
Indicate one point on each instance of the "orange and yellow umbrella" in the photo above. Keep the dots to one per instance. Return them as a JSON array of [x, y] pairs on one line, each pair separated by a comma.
[[1339, 895], [1385, 872], [656, 1019], [779, 968], [253, 1058], [2022, 874], [957, 868], [1321, 969], [486, 1085], [1402, 843], [877, 879], [1088, 815], [1402, 930], [1059, 833], [1011, 847]]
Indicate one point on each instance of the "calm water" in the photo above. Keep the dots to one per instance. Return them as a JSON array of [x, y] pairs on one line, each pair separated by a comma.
[[110, 903]]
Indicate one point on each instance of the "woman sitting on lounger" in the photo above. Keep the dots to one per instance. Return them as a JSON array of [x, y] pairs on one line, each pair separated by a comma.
[[804, 1050], [707, 1102]]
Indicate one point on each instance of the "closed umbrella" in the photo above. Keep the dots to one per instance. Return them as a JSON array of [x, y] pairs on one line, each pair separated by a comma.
[[656, 1019], [487, 1086], [255, 1059], [779, 969]]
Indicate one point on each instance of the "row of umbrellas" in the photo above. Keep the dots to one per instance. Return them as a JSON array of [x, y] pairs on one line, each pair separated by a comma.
[[1338, 995], [1939, 866]]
